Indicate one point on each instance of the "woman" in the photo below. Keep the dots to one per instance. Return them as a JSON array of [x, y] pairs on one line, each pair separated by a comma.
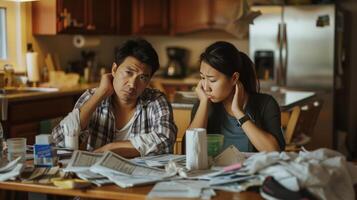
[[230, 102]]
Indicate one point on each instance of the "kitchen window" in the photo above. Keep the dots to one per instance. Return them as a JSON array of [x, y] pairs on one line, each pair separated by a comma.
[[13, 29], [3, 43]]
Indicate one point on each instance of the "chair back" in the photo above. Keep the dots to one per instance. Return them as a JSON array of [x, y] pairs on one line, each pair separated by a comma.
[[302, 121]]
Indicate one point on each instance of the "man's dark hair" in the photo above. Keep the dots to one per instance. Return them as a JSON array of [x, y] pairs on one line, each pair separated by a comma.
[[139, 49]]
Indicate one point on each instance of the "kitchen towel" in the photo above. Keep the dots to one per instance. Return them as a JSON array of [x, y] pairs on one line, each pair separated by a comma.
[[33, 69], [196, 149]]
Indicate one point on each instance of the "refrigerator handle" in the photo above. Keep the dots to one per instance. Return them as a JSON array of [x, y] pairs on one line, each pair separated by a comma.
[[279, 70], [278, 38], [285, 53]]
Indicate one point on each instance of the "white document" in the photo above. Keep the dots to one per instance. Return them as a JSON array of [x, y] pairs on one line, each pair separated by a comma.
[[229, 156], [160, 160], [126, 181], [82, 161], [112, 162], [174, 189]]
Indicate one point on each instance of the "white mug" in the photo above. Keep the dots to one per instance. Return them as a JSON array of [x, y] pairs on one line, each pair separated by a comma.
[[71, 142]]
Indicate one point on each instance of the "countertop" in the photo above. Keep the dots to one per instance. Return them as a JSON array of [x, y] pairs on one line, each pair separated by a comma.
[[286, 99], [30, 94], [38, 94]]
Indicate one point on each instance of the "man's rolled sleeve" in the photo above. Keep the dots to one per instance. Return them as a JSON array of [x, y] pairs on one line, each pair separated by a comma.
[[162, 130], [70, 125]]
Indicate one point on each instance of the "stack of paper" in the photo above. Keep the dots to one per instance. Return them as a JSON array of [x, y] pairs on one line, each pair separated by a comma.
[[41, 175], [111, 168], [126, 173], [81, 163]]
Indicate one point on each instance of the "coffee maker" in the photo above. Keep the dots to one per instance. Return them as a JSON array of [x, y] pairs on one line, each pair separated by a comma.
[[177, 62]]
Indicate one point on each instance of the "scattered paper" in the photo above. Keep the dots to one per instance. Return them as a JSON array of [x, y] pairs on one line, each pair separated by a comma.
[[160, 160], [82, 161], [95, 178], [112, 162], [11, 169], [173, 189], [126, 181]]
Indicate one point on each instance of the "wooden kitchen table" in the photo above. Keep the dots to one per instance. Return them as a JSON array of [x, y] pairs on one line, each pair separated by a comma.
[[111, 191]]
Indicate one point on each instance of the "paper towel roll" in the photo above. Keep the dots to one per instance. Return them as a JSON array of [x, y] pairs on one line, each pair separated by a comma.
[[80, 41], [196, 149], [33, 69]]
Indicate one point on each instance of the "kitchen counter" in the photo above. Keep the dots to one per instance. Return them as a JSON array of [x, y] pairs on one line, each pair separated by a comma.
[[24, 111], [285, 98], [39, 93], [22, 95], [172, 81]]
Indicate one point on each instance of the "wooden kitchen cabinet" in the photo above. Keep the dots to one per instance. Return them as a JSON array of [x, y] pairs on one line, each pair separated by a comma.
[[52, 17], [72, 15], [188, 16], [101, 16], [150, 16], [24, 117]]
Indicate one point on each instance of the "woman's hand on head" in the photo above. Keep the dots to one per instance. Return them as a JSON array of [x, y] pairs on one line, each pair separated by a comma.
[[238, 100], [106, 85], [200, 92]]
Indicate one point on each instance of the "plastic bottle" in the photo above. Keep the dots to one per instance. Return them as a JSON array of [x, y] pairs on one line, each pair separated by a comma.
[[44, 153]]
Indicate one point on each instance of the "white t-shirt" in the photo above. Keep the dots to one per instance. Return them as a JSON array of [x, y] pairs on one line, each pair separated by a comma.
[[123, 133]]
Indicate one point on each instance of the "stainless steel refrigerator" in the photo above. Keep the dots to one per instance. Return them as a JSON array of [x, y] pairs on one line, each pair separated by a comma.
[[294, 46]]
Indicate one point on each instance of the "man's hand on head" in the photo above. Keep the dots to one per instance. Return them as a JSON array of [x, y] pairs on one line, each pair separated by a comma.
[[106, 88]]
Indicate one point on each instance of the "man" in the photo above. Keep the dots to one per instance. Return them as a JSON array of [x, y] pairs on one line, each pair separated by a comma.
[[122, 114]]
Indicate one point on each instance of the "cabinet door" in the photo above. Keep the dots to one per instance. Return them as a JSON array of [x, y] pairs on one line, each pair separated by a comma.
[[150, 17], [223, 12], [188, 15], [101, 16], [73, 15], [44, 17]]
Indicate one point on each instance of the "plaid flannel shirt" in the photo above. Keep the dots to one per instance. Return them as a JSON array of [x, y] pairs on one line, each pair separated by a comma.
[[152, 132]]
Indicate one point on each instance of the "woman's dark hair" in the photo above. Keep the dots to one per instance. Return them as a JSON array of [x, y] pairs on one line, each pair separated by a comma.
[[227, 59], [139, 49]]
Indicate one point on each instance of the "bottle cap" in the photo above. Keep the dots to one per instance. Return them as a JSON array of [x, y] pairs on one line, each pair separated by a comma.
[[43, 139]]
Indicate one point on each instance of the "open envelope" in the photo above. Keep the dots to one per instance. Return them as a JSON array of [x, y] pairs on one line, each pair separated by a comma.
[[229, 156]]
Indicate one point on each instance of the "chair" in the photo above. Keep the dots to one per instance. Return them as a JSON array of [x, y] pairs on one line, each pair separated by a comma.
[[301, 124], [182, 120]]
